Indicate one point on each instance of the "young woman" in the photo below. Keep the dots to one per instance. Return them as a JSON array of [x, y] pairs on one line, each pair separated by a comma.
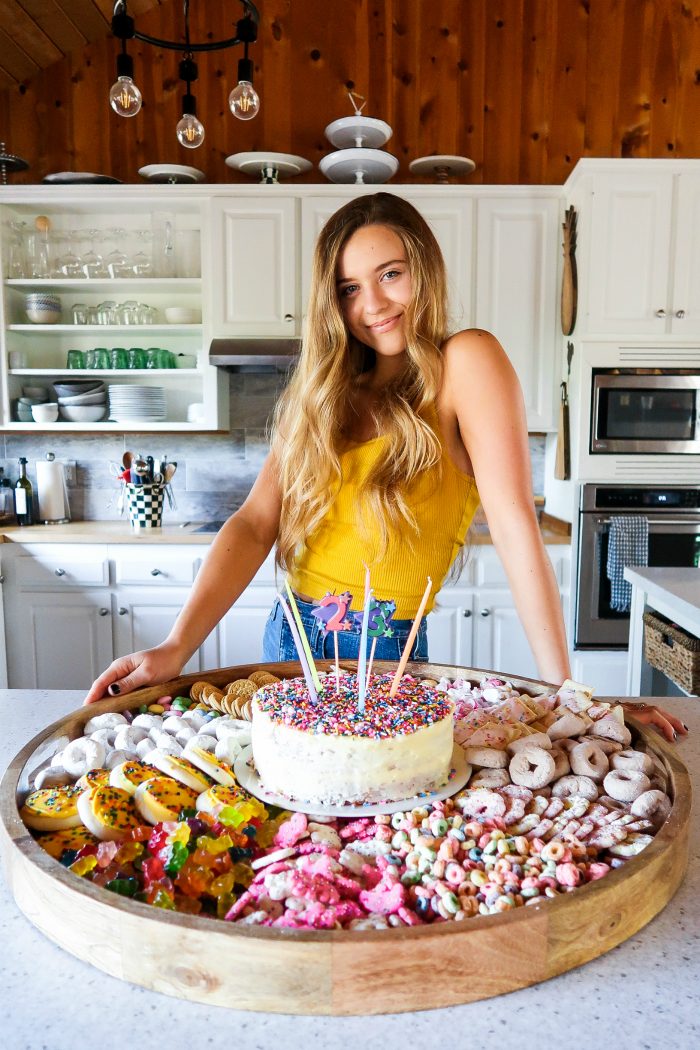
[[386, 439]]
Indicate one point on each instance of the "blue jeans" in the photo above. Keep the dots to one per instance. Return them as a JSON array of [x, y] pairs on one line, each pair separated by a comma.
[[278, 643]]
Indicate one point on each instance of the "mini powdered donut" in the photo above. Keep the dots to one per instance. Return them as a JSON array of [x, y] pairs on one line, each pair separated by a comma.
[[626, 784], [172, 724], [52, 776], [128, 775], [632, 759], [566, 743], [219, 771], [110, 720], [83, 754], [57, 842], [610, 747], [206, 741], [588, 760], [562, 765], [489, 778], [148, 722], [632, 846], [51, 809], [228, 750], [532, 740], [105, 736], [93, 778], [532, 767], [162, 798], [117, 757], [166, 744], [228, 726], [144, 747], [217, 797], [482, 804], [486, 757], [576, 785], [128, 737], [185, 734], [181, 770], [609, 727], [107, 812], [568, 724], [652, 805]]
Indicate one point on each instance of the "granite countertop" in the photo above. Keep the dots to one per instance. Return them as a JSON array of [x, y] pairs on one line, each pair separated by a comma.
[[642, 994]]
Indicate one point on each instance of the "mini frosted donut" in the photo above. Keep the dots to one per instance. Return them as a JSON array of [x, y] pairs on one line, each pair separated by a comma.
[[486, 757], [128, 737], [652, 805], [533, 740], [610, 747], [83, 754], [167, 743], [626, 784], [631, 759], [228, 750], [148, 722], [531, 767], [110, 720], [106, 736], [562, 766], [482, 803], [52, 776], [588, 760], [612, 729], [172, 724], [115, 758], [490, 778], [576, 785], [568, 724]]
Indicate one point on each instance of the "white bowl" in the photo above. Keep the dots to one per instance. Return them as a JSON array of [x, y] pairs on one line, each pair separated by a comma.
[[46, 413], [98, 398], [42, 315], [182, 315], [83, 413]]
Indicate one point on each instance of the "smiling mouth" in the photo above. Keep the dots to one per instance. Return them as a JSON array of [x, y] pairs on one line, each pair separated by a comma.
[[381, 325]]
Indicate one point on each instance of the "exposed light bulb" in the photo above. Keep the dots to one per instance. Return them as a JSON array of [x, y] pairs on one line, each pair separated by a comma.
[[244, 101], [124, 97], [190, 131]]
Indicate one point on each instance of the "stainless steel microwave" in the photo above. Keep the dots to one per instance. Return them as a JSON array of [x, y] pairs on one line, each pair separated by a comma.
[[645, 410]]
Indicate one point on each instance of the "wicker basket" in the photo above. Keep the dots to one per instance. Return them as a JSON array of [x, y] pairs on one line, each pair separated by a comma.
[[673, 651]]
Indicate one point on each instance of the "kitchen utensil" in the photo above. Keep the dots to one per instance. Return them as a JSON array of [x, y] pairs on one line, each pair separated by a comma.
[[562, 463], [150, 465], [68, 178], [127, 460], [569, 284]]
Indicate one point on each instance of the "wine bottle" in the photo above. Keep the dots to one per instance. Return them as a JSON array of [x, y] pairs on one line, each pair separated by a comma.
[[24, 496]]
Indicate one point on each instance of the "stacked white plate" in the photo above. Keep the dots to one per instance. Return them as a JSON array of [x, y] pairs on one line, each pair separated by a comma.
[[129, 403]]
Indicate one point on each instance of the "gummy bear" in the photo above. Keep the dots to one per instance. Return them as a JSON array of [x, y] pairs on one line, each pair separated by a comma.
[[177, 855], [124, 887], [84, 865]]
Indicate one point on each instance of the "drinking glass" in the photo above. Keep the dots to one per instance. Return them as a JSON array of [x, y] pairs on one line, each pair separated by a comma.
[[144, 314], [164, 359], [92, 262], [102, 358], [39, 263], [118, 262], [143, 259], [68, 262], [75, 359], [128, 312], [137, 357], [120, 358], [152, 357], [79, 312], [17, 259], [107, 313]]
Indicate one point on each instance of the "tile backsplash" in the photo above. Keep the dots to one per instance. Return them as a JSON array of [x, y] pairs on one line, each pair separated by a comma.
[[214, 472]]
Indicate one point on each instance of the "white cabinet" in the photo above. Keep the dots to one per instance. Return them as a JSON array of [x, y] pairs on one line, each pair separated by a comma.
[[517, 251], [450, 627], [604, 670], [642, 273], [254, 251], [143, 618], [3, 655], [241, 630]]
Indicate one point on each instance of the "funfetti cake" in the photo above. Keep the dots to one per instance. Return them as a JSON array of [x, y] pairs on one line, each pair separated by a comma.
[[330, 753]]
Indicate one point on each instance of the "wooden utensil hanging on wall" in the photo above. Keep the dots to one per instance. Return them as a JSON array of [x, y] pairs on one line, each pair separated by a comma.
[[562, 463], [569, 284]]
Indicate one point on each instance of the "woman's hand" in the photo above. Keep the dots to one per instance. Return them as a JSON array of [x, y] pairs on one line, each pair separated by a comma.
[[649, 715], [148, 667]]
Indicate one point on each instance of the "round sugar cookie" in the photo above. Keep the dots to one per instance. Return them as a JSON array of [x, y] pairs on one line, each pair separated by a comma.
[[57, 842], [128, 775], [92, 779], [162, 798], [107, 812], [181, 770], [217, 797], [214, 767], [51, 809]]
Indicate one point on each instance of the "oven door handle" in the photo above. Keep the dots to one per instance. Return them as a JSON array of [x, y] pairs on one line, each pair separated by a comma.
[[654, 521]]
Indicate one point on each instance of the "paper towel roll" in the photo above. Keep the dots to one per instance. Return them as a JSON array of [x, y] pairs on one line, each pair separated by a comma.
[[53, 498]]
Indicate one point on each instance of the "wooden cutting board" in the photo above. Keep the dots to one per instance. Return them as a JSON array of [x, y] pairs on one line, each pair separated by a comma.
[[569, 286]]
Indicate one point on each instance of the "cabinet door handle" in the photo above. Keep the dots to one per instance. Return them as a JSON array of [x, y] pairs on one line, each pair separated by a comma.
[[122, 610], [156, 572], [60, 572], [467, 613], [289, 317], [2, 579], [680, 314], [485, 612], [661, 313], [104, 612]]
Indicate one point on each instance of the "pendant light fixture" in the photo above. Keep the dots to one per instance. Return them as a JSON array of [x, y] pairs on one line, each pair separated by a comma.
[[125, 97]]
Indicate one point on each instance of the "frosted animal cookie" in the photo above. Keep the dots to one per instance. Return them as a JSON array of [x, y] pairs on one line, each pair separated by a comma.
[[652, 805], [110, 720], [631, 759], [533, 740], [81, 755], [576, 785], [626, 784], [489, 778], [486, 757], [612, 729], [532, 767], [51, 809], [588, 760], [568, 724]]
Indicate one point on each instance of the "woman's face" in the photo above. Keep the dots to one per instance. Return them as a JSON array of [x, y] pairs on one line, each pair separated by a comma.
[[374, 287]]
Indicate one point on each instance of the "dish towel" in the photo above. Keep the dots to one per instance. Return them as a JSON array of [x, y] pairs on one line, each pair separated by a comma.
[[628, 545]]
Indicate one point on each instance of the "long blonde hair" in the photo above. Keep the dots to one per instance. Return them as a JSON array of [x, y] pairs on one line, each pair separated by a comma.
[[308, 429]]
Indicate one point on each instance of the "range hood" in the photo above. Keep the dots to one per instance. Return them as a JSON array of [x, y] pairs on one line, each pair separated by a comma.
[[251, 354]]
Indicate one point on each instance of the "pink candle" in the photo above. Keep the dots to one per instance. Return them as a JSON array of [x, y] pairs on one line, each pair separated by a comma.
[[411, 639]]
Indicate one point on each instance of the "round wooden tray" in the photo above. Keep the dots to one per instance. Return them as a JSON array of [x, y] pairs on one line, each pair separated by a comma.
[[332, 972]]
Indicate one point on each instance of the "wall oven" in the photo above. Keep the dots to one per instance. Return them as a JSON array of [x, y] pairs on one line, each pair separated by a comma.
[[645, 411], [673, 513]]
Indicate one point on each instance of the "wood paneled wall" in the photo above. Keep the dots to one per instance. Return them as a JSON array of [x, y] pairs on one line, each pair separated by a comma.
[[524, 87]]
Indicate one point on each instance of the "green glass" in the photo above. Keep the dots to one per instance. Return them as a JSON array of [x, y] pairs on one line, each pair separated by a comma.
[[152, 357], [102, 358], [120, 358], [75, 359], [137, 357], [165, 359]]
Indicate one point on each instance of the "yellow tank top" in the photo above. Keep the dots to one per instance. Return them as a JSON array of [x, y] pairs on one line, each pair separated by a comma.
[[333, 557]]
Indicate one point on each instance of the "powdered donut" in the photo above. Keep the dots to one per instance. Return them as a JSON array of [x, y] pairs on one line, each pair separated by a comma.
[[106, 736], [486, 757], [633, 760], [562, 764], [588, 760], [115, 758], [110, 720], [652, 805], [568, 724], [626, 784], [532, 767], [534, 740], [576, 785], [482, 803], [127, 737], [489, 778], [612, 729], [81, 755], [610, 747], [52, 776]]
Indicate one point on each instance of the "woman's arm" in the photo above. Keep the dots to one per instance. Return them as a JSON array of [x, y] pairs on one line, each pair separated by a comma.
[[235, 556], [482, 389]]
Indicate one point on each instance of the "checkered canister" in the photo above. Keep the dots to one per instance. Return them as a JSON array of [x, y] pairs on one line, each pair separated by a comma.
[[145, 503]]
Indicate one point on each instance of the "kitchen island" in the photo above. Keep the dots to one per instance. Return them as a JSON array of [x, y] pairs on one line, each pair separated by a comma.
[[672, 592], [646, 988]]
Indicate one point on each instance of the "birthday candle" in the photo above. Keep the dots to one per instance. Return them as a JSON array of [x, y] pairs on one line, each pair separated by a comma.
[[362, 656], [302, 636], [300, 650], [410, 640]]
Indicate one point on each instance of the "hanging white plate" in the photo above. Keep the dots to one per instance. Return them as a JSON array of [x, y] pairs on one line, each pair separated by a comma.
[[172, 173], [442, 166], [368, 132], [247, 777], [256, 163], [359, 166]]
